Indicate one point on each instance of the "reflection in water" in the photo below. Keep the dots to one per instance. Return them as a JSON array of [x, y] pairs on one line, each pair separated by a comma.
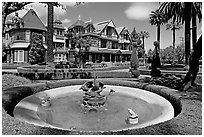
[[66, 112]]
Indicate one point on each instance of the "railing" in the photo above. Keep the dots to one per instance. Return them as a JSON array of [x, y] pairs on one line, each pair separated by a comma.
[[61, 49]]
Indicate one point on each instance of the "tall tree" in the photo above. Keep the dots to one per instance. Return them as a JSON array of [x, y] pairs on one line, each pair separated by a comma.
[[10, 7], [173, 26], [36, 52], [196, 12], [157, 18], [190, 77], [50, 19], [143, 35], [81, 46], [183, 12]]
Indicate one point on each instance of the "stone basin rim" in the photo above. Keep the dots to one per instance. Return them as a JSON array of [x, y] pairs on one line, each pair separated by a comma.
[[100, 130]]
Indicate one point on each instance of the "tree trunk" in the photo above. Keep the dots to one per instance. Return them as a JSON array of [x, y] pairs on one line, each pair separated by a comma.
[[3, 21], [174, 37], [194, 29], [143, 38], [50, 47], [194, 65], [158, 35], [187, 16]]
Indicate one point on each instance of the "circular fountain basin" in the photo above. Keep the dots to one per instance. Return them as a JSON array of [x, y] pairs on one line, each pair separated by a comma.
[[65, 111]]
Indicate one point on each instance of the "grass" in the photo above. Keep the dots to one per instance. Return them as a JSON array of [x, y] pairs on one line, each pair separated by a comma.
[[9, 80], [188, 122]]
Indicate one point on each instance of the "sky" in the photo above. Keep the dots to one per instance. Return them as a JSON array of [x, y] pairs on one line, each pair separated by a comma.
[[128, 14]]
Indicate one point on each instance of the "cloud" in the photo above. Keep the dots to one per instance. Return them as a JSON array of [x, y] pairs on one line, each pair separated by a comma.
[[66, 21], [140, 10]]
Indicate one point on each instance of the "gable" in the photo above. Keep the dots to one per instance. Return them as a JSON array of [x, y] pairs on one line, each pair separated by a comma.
[[111, 24], [32, 21]]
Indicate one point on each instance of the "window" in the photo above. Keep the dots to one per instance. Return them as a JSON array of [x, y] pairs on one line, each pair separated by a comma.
[[27, 36], [19, 56], [20, 36], [103, 44], [7, 36]]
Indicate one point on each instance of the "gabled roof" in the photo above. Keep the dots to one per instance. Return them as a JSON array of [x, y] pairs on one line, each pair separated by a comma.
[[78, 23], [58, 24], [120, 29], [32, 21], [100, 26]]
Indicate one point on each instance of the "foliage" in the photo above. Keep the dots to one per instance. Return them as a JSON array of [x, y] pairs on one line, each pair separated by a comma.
[[175, 10], [10, 7], [183, 12], [81, 46], [140, 52], [36, 52], [143, 35], [134, 61], [167, 54], [173, 26], [9, 80], [134, 35], [167, 80], [157, 18]]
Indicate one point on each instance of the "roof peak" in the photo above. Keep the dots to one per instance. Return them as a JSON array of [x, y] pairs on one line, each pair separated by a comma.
[[102, 22], [32, 21]]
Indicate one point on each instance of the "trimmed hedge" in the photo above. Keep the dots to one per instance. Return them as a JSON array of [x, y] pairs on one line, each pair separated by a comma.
[[9, 80]]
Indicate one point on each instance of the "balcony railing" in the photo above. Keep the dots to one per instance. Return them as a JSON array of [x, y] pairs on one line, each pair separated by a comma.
[[59, 37], [61, 49]]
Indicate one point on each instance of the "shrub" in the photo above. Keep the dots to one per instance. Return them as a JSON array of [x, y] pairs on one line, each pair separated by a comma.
[[12, 96], [9, 80], [135, 73]]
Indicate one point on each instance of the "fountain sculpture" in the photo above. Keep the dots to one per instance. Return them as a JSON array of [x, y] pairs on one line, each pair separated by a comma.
[[93, 99]]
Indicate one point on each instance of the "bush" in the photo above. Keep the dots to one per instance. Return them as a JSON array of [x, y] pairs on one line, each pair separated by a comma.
[[135, 73], [9, 80], [12, 96], [167, 80]]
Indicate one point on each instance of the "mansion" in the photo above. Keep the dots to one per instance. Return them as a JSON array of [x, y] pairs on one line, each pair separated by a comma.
[[108, 42]]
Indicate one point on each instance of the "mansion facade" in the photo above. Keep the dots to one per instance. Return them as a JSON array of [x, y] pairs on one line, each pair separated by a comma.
[[108, 42]]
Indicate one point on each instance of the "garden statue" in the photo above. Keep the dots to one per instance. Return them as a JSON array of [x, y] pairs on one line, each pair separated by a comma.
[[132, 117], [134, 61], [46, 102], [155, 72]]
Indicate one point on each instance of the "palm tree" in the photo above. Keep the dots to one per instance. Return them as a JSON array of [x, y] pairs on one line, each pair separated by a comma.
[[157, 18], [195, 12], [50, 46], [183, 12], [173, 27], [143, 35]]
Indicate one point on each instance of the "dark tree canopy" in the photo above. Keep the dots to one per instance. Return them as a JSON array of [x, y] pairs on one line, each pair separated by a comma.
[[36, 52]]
